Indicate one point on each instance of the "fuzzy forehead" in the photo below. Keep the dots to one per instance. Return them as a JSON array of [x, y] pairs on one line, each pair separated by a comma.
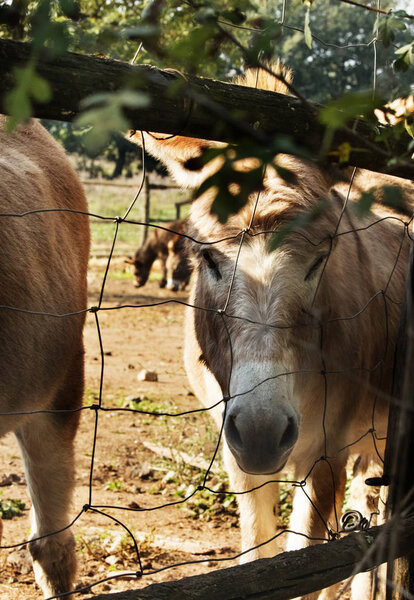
[[266, 210]]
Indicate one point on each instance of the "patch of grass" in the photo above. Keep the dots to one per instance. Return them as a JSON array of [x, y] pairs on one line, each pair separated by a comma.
[[90, 397], [120, 275], [152, 404], [113, 201], [285, 504], [154, 276], [205, 504], [11, 507], [117, 485]]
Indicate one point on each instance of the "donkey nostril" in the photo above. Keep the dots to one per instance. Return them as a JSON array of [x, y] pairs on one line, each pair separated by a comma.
[[290, 434], [232, 432]]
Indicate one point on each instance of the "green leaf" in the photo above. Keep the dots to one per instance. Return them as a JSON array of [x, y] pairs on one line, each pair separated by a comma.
[[28, 85], [401, 14], [409, 126], [387, 27], [401, 65], [406, 54], [339, 112], [405, 49], [18, 106], [104, 115], [70, 8], [234, 15], [263, 41], [307, 30], [40, 89], [139, 32], [295, 224], [128, 98], [104, 121]]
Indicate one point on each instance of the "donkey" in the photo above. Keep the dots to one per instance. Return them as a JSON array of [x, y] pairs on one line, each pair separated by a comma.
[[296, 339], [43, 266], [156, 246], [178, 264]]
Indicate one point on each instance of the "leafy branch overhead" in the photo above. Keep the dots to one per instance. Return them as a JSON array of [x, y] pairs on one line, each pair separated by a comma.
[[220, 39]]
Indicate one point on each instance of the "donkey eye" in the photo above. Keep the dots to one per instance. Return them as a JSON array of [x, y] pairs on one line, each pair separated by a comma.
[[315, 267], [211, 264]]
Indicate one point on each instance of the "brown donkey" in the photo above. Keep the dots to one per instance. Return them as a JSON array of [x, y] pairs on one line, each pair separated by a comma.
[[43, 266], [156, 246], [301, 344]]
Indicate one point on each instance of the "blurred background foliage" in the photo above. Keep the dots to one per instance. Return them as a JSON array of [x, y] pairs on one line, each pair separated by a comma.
[[332, 48]]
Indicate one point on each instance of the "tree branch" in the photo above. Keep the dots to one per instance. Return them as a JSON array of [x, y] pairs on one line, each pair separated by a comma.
[[381, 11]]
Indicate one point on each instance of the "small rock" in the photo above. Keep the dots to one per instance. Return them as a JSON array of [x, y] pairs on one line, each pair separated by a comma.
[[143, 471], [145, 375], [115, 547], [112, 559], [169, 477], [10, 479]]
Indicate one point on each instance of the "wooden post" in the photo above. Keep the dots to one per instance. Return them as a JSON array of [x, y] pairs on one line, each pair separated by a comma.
[[399, 455], [147, 206]]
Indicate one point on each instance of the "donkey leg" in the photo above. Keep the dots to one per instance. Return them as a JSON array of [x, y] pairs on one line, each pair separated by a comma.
[[314, 515], [258, 516], [365, 499], [47, 447], [46, 444], [317, 506], [163, 281]]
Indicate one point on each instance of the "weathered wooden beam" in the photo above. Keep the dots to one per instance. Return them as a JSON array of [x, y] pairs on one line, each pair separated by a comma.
[[193, 106], [286, 576]]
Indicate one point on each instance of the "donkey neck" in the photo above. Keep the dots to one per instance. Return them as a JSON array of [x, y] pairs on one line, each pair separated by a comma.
[[148, 252]]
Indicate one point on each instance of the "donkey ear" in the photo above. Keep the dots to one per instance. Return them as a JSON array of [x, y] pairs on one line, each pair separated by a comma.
[[181, 155]]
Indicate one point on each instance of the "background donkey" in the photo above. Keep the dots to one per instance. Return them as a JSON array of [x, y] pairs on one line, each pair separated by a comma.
[[303, 349], [178, 264], [156, 247], [44, 258]]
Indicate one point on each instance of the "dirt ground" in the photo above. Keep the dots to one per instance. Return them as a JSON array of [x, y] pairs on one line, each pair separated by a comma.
[[141, 461]]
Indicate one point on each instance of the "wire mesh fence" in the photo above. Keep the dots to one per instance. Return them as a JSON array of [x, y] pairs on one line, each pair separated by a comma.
[[229, 319], [222, 312]]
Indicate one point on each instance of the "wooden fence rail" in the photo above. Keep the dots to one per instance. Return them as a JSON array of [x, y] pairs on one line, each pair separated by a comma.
[[203, 108], [288, 575]]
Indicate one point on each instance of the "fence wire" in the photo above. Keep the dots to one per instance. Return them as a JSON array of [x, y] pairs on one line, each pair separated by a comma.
[[331, 531], [223, 314]]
